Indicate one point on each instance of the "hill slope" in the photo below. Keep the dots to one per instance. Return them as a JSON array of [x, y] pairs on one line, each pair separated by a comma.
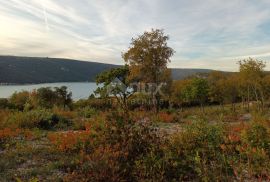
[[23, 70], [46, 70], [180, 73]]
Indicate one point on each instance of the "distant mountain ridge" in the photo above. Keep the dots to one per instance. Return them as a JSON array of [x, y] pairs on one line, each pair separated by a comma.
[[32, 70]]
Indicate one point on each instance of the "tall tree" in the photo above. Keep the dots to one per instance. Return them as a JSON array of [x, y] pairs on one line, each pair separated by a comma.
[[252, 73], [231, 89], [200, 91], [147, 58]]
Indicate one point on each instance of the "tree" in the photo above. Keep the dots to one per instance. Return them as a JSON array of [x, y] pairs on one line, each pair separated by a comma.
[[46, 97], [265, 89], [181, 92], [251, 74], [63, 97], [147, 58], [199, 91], [187, 94], [19, 99], [192, 90], [216, 86], [115, 82], [231, 89]]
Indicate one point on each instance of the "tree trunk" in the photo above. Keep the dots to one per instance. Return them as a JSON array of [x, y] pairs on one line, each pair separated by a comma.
[[155, 103], [202, 107], [248, 99], [262, 100]]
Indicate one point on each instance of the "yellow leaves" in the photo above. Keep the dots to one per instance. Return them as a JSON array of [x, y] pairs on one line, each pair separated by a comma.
[[148, 56]]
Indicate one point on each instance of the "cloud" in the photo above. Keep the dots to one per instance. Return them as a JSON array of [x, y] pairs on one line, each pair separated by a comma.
[[204, 33]]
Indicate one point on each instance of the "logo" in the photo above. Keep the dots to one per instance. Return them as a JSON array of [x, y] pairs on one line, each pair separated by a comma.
[[117, 86]]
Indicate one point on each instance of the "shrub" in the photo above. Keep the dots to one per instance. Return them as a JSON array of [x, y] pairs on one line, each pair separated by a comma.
[[7, 136], [257, 136], [195, 153], [4, 115], [246, 148], [19, 99], [116, 151], [65, 113], [42, 119], [86, 112], [123, 150], [96, 103], [256, 150], [4, 104], [165, 117], [71, 141]]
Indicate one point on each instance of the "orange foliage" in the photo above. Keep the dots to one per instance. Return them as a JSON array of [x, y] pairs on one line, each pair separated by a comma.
[[28, 134], [235, 131], [233, 137], [8, 134], [70, 140], [65, 114], [165, 117]]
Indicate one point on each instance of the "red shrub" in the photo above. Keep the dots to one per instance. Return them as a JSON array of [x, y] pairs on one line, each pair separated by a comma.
[[71, 140]]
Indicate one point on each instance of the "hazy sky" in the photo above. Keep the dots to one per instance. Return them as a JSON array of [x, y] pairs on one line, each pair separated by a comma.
[[204, 33]]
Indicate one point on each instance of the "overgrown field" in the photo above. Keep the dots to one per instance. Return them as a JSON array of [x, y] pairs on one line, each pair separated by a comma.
[[175, 145]]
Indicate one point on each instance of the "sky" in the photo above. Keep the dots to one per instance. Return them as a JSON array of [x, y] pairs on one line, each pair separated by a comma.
[[212, 34]]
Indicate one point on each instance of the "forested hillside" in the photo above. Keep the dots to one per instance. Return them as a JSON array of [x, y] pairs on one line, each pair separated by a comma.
[[23, 70], [45, 70]]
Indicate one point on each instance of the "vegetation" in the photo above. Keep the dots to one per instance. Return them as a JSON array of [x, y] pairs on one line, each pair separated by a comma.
[[29, 70], [115, 82], [210, 127], [147, 58]]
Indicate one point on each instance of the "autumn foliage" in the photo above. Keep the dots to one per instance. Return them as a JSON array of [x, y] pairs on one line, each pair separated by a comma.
[[71, 140]]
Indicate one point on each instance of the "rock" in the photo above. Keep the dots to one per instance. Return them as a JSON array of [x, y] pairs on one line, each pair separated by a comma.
[[245, 117]]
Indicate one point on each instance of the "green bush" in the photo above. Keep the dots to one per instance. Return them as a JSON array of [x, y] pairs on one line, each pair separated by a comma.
[[19, 99], [116, 152], [256, 149], [193, 154], [86, 112], [4, 104], [42, 119], [257, 136], [96, 103]]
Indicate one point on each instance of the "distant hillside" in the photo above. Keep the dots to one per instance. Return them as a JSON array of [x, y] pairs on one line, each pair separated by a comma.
[[180, 73], [46, 70], [23, 70]]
